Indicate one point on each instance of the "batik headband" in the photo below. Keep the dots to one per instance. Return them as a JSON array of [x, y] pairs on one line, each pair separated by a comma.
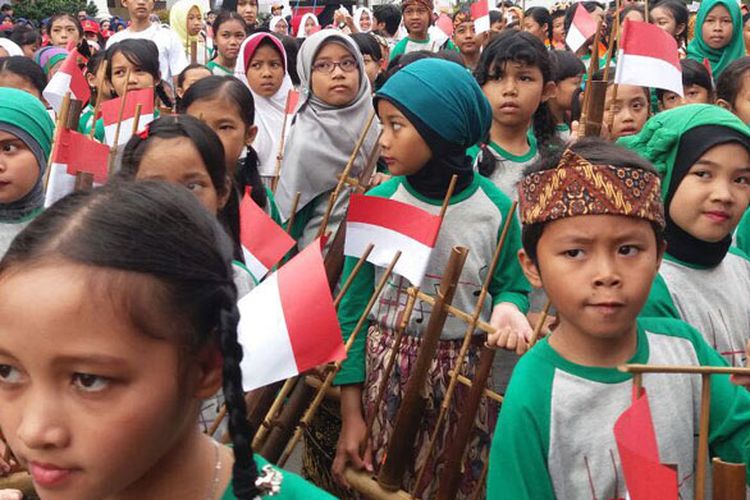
[[578, 187]]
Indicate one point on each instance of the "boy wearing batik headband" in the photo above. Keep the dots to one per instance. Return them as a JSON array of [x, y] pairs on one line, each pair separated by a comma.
[[417, 18], [466, 39], [702, 154], [592, 237]]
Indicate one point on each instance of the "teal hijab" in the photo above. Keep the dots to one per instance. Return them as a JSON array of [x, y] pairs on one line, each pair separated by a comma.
[[719, 58]]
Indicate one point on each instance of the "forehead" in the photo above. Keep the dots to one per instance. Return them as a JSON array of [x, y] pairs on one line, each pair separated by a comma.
[[628, 92], [595, 228], [729, 156], [331, 50]]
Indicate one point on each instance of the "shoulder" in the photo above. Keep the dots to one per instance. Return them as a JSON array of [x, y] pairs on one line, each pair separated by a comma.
[[739, 253], [670, 327], [499, 199]]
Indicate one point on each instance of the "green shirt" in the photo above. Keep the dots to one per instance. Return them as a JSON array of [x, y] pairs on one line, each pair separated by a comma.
[[409, 45], [293, 487], [474, 219], [554, 437], [742, 236], [218, 69]]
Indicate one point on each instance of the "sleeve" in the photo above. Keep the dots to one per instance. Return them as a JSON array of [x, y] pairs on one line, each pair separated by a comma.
[[518, 457], [509, 283], [272, 209], [351, 308], [301, 219], [743, 233], [99, 134], [399, 49], [659, 303], [177, 58]]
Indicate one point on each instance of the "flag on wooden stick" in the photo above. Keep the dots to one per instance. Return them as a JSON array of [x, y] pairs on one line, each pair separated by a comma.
[[648, 57], [68, 78], [74, 153], [391, 226], [111, 114], [480, 14], [288, 323], [581, 29]]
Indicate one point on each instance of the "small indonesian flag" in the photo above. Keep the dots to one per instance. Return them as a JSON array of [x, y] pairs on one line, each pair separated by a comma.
[[264, 243], [288, 323], [74, 153], [111, 111], [445, 23], [480, 13], [391, 226], [648, 56], [292, 101], [645, 476], [67, 79], [581, 29]]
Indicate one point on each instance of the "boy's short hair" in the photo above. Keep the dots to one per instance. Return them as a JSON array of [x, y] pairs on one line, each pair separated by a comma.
[[730, 81], [597, 152], [388, 14], [693, 73]]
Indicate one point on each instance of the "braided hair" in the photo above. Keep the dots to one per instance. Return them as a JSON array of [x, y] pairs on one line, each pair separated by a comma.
[[160, 231]]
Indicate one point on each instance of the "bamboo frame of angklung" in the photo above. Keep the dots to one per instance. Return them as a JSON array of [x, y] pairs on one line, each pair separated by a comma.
[[280, 152], [614, 39], [589, 77], [705, 409]]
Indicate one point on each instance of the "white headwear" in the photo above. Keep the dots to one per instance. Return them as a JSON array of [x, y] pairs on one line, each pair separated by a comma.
[[10, 47], [276, 20], [301, 33], [358, 15]]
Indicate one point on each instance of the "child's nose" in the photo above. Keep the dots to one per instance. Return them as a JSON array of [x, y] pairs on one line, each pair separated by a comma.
[[40, 427]]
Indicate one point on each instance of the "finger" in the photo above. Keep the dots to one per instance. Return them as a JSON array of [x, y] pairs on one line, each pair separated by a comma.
[[368, 457], [522, 347], [512, 341], [354, 458], [337, 469]]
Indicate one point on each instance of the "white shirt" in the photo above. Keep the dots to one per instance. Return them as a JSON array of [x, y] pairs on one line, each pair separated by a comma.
[[172, 58]]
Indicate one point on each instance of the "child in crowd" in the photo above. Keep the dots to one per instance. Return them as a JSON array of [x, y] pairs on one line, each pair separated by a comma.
[[170, 49], [25, 141], [363, 19], [733, 88], [387, 18], [538, 22], [569, 72], [335, 90], [672, 17], [229, 32], [278, 25], [371, 54], [595, 248], [307, 24], [705, 167], [64, 29], [424, 142], [26, 37], [516, 75], [186, 19], [465, 38], [248, 10], [630, 107], [108, 257], [92, 77], [697, 87], [559, 10], [191, 74], [718, 35], [262, 67], [24, 74], [417, 15]]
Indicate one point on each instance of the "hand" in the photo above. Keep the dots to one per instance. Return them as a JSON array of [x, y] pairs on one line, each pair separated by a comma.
[[378, 179], [11, 495], [743, 380], [512, 329], [347, 450]]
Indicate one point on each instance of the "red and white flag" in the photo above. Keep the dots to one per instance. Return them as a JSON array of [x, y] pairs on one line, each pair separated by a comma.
[[74, 153], [648, 56], [288, 323], [292, 101], [581, 29], [111, 111], [68, 78], [445, 23], [480, 14], [391, 226], [264, 243]]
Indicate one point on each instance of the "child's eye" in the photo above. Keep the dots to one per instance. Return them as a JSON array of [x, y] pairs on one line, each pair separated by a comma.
[[9, 148], [194, 186], [743, 180], [628, 250], [90, 383], [396, 127], [703, 174], [574, 253], [9, 375]]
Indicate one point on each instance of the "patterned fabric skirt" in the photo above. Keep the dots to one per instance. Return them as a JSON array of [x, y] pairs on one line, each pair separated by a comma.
[[379, 346]]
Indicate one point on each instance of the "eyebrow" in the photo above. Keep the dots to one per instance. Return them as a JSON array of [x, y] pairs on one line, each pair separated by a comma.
[[83, 359]]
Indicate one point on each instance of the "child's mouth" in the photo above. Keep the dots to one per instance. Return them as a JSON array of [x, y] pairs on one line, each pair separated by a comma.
[[717, 216], [47, 475]]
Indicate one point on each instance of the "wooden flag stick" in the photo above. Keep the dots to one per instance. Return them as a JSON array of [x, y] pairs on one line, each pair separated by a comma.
[[100, 72], [539, 324], [701, 370], [614, 35], [447, 197], [700, 473], [280, 152], [136, 118], [352, 275], [453, 311], [468, 335], [293, 212], [590, 73], [310, 413], [62, 120], [120, 112]]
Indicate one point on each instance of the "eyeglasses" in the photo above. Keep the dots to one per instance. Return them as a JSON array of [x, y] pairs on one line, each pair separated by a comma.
[[346, 65]]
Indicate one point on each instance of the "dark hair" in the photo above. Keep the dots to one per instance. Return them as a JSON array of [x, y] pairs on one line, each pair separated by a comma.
[[62, 15], [633, 8], [680, 14], [368, 45], [730, 82], [745, 18], [693, 73], [389, 14], [226, 16], [566, 65], [26, 69], [6, 7], [291, 47], [525, 48], [23, 34], [598, 152], [143, 54], [183, 74], [156, 231], [541, 16], [495, 16]]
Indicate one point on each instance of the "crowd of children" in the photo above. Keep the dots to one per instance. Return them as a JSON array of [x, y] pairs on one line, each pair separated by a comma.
[[631, 247]]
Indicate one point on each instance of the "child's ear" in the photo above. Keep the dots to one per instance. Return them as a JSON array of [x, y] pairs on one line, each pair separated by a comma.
[[549, 91], [208, 372], [723, 103], [252, 132], [179, 92], [530, 269], [679, 30]]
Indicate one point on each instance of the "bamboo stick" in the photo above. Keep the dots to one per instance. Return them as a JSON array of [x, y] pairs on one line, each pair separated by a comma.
[[363, 483], [352, 275], [453, 311], [700, 473], [482, 478], [590, 75], [120, 112], [702, 370], [280, 153], [614, 35], [488, 393], [100, 72], [612, 110], [62, 120], [193, 52], [539, 324], [293, 213], [136, 118]]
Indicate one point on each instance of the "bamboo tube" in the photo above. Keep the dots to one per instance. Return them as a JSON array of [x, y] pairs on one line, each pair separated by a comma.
[[613, 107], [332, 392], [728, 480], [468, 335], [84, 181], [614, 35], [702, 370], [482, 479], [62, 119], [136, 119], [193, 52], [310, 413], [19, 481], [100, 72], [367, 486], [539, 324], [293, 213], [120, 112], [702, 459], [280, 153], [453, 311], [590, 72]]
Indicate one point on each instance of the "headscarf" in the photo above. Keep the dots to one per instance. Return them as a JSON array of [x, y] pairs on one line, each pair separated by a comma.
[[449, 111], [269, 111], [178, 19], [24, 116], [47, 57], [274, 21], [699, 50], [10, 47], [322, 137], [300, 30], [673, 141], [358, 15]]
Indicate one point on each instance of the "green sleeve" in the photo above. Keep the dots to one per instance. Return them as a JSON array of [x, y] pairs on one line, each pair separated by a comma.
[[451, 46], [273, 209], [99, 134], [399, 49], [351, 308], [660, 303], [301, 219], [520, 445], [743, 233], [473, 152]]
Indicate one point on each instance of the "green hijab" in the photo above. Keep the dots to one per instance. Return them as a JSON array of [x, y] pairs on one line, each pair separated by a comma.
[[719, 58]]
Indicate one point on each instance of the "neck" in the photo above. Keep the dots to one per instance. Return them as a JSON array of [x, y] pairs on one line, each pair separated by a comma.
[[557, 112], [511, 138], [589, 350], [470, 60], [418, 37], [137, 24], [223, 61]]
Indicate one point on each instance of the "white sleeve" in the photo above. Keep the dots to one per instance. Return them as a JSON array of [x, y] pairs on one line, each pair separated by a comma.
[[176, 54]]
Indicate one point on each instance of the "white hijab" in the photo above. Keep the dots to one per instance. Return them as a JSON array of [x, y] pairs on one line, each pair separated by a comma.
[[301, 33], [276, 20], [269, 111], [358, 16], [10, 47]]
